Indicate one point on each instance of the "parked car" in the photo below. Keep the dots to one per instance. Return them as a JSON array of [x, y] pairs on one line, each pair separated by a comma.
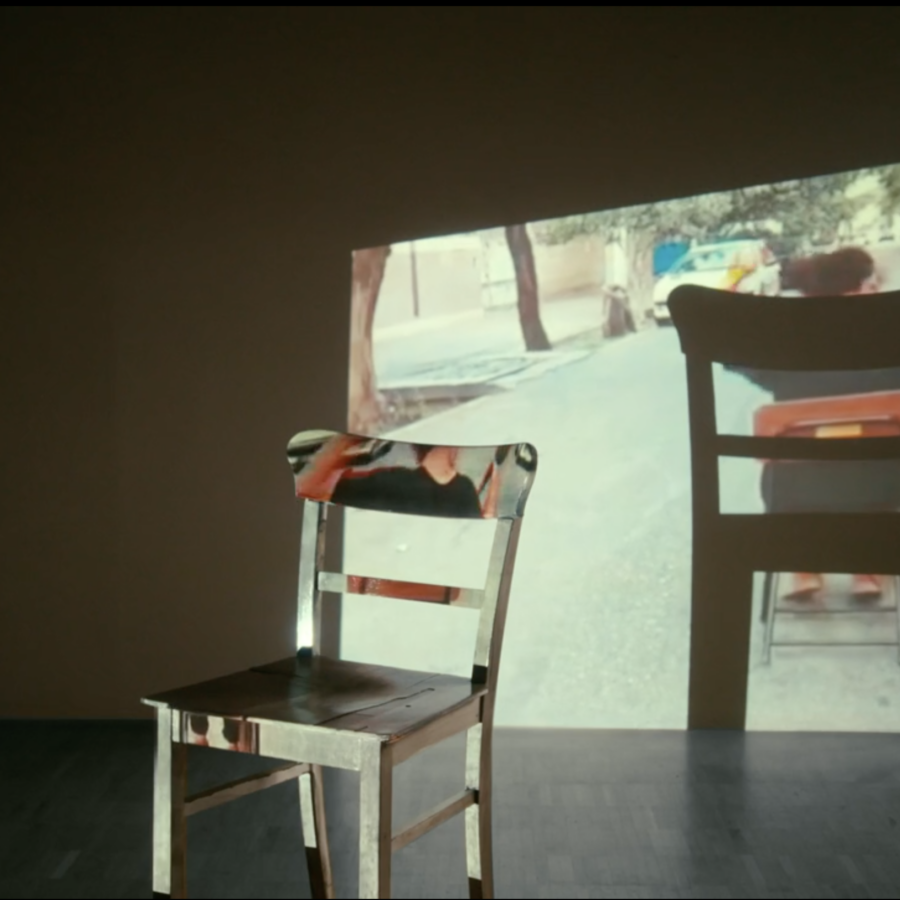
[[666, 254], [748, 267]]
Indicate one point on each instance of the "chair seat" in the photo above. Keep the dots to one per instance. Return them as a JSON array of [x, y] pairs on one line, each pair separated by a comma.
[[335, 694]]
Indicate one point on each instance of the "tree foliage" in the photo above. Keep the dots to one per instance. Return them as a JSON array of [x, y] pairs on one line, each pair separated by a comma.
[[808, 208], [890, 185]]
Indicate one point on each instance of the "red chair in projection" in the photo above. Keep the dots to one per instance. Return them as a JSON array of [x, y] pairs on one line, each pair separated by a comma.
[[871, 415], [313, 711]]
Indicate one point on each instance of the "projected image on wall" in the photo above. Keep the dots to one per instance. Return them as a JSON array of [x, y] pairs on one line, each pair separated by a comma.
[[558, 333]]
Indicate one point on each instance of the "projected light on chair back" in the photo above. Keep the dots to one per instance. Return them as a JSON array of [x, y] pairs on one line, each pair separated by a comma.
[[414, 479], [449, 482]]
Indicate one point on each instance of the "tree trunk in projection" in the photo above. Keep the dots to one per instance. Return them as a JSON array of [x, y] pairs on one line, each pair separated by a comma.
[[617, 316], [365, 405], [628, 292], [527, 288], [640, 243]]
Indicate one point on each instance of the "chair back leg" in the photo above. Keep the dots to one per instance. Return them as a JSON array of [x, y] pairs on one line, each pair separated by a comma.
[[169, 821], [479, 850], [315, 834]]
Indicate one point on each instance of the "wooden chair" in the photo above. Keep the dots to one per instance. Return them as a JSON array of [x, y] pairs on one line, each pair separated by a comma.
[[796, 334], [313, 711]]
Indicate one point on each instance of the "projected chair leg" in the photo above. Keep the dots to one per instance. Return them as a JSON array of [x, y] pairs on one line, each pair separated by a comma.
[[766, 596], [169, 822], [315, 833], [479, 853], [895, 583], [770, 604], [376, 786]]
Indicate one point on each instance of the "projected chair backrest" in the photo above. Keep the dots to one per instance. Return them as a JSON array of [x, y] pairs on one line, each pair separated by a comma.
[[386, 476], [781, 334]]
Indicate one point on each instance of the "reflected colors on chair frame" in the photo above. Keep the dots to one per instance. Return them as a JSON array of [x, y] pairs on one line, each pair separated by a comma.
[[313, 711]]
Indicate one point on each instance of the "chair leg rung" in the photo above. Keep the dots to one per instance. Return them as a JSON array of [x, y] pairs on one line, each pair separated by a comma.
[[242, 787], [434, 817]]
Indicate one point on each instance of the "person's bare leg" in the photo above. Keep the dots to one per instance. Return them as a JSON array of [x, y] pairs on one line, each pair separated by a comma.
[[867, 587], [804, 586]]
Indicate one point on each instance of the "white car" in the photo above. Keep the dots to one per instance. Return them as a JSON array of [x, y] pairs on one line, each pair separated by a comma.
[[745, 266]]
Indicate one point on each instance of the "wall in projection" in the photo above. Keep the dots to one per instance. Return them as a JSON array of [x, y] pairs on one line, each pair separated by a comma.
[[557, 333]]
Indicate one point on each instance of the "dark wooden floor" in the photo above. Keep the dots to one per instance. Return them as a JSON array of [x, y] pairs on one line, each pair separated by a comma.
[[578, 814]]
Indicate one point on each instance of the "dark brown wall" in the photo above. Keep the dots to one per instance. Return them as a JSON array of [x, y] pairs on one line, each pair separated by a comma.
[[180, 193]]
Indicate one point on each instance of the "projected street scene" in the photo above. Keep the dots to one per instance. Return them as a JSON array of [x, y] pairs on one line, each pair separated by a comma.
[[557, 333]]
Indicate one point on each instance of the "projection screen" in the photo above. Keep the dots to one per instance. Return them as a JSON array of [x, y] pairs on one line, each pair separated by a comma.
[[557, 333]]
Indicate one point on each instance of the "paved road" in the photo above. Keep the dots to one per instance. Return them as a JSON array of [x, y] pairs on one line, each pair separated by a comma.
[[598, 632], [432, 345]]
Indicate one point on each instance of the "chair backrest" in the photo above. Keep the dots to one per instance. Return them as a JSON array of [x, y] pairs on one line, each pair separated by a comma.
[[389, 476], [783, 335]]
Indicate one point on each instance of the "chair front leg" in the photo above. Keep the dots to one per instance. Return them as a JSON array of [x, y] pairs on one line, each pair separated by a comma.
[[315, 833], [169, 822], [376, 787], [479, 852]]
